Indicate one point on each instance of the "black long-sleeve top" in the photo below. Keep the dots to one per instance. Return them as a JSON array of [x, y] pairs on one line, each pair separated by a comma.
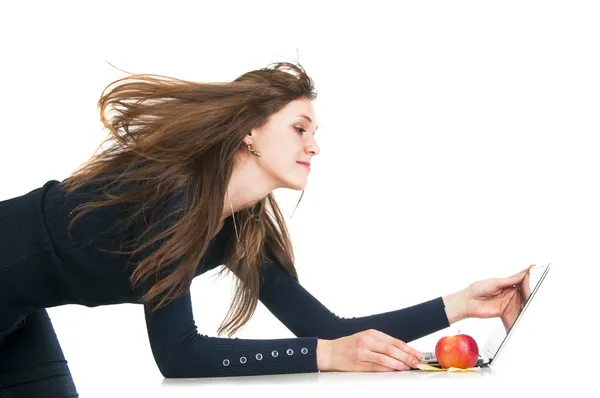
[[41, 267]]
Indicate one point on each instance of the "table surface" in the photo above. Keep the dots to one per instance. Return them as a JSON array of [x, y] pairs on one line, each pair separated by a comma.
[[488, 381]]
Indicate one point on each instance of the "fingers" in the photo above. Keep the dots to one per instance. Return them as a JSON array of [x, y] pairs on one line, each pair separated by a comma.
[[385, 355], [375, 351], [525, 289], [526, 286], [510, 281], [391, 352], [523, 272], [386, 338], [514, 279], [397, 354]]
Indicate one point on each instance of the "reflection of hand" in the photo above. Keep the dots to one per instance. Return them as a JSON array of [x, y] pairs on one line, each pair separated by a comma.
[[516, 304], [499, 297]]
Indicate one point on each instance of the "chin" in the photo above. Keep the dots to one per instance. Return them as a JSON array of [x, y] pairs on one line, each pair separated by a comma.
[[296, 185], [294, 180]]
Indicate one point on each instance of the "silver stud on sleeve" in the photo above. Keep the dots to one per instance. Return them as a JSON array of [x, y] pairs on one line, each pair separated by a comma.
[[289, 351], [304, 350], [258, 356], [226, 362], [243, 360], [274, 354]]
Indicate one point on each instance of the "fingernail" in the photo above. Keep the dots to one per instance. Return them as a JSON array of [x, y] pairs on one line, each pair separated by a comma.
[[420, 356]]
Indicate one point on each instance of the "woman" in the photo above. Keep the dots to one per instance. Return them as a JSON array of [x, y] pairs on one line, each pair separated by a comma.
[[186, 185]]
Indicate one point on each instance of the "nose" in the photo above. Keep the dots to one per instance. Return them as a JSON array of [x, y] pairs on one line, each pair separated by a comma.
[[312, 149]]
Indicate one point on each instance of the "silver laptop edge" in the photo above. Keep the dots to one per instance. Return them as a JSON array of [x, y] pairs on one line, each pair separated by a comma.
[[486, 359], [535, 289]]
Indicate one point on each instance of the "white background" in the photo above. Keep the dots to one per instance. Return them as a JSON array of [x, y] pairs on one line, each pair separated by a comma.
[[459, 141]]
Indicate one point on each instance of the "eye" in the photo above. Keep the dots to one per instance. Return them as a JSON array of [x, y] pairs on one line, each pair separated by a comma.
[[300, 130]]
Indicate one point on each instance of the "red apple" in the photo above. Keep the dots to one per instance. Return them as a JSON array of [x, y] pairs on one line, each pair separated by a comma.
[[460, 351]]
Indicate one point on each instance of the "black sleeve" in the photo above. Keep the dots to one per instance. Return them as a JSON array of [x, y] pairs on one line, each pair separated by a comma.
[[180, 351], [305, 316]]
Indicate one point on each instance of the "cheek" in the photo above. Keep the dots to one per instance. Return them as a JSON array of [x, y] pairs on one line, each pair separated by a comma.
[[276, 162], [283, 166], [283, 151]]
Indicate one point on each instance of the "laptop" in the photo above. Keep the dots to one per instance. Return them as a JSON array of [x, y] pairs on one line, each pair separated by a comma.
[[498, 338]]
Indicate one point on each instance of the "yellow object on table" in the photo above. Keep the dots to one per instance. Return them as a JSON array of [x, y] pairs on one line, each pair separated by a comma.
[[430, 368]]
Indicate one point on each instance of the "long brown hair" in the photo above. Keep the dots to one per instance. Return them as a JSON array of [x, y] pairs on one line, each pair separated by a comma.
[[169, 136]]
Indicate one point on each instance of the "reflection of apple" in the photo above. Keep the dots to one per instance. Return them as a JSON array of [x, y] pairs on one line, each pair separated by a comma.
[[460, 351]]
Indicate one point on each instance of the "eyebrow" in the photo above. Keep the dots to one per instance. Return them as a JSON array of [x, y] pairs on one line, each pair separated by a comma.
[[309, 119]]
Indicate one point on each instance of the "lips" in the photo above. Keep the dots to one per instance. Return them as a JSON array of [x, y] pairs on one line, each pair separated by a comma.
[[306, 164]]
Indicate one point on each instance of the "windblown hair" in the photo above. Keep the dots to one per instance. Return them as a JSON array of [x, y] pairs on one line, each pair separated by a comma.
[[169, 136]]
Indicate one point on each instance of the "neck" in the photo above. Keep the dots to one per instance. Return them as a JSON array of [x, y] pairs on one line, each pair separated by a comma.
[[248, 185]]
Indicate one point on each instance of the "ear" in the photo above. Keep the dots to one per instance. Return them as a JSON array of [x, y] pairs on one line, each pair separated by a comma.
[[249, 137]]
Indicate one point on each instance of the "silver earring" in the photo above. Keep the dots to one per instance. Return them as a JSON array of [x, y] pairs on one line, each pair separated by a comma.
[[252, 151]]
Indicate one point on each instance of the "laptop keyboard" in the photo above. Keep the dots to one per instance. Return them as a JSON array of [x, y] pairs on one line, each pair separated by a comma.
[[430, 357]]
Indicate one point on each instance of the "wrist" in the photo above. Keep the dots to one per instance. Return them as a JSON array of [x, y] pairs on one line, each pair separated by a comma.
[[323, 355], [455, 305]]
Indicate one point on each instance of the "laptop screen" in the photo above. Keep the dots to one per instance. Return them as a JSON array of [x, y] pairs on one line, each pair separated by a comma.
[[514, 313]]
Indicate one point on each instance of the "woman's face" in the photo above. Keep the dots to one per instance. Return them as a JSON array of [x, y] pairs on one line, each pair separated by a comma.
[[286, 139]]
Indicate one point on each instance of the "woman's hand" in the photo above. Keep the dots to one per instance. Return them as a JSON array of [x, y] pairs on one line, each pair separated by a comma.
[[498, 297], [366, 351]]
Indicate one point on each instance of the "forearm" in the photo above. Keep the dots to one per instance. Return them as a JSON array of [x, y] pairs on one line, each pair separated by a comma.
[[454, 305], [406, 324], [180, 351], [205, 356], [306, 316]]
